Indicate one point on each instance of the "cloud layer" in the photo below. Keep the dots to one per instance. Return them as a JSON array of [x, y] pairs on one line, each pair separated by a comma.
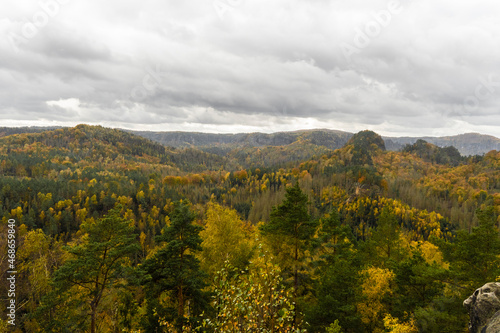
[[404, 67]]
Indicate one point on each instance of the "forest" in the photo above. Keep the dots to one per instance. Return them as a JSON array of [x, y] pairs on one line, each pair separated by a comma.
[[117, 233]]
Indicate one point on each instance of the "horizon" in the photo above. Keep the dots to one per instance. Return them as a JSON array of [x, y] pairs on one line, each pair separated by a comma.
[[236, 133]]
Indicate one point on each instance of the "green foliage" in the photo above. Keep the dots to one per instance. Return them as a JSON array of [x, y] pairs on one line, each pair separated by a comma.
[[334, 327], [474, 260], [335, 240], [253, 301], [444, 314], [474, 256], [434, 154], [369, 265], [96, 266], [292, 222], [172, 278], [337, 289], [386, 239], [364, 145], [337, 293], [418, 283], [291, 218]]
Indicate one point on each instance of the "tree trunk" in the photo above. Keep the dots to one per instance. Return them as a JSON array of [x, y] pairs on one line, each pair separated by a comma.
[[180, 311], [93, 321], [180, 296], [295, 282]]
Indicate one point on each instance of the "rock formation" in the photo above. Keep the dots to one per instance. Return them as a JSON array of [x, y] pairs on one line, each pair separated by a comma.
[[484, 309]]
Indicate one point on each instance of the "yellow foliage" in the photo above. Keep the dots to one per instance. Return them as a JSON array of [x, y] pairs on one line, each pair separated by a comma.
[[431, 253], [223, 239], [140, 195], [17, 213], [393, 325], [23, 229], [376, 286]]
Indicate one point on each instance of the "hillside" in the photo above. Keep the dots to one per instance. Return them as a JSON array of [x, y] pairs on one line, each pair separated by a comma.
[[327, 138], [326, 232], [83, 145]]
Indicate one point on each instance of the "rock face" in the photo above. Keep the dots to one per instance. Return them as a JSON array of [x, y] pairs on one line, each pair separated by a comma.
[[484, 309]]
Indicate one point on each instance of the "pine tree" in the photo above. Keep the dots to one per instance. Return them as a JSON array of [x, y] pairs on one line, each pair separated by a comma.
[[474, 256], [174, 272], [96, 266], [337, 287], [292, 221], [386, 238]]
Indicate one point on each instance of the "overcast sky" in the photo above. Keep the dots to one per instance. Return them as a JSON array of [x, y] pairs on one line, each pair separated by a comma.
[[409, 67]]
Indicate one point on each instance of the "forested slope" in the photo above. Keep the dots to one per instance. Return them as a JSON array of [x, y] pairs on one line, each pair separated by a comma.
[[355, 239]]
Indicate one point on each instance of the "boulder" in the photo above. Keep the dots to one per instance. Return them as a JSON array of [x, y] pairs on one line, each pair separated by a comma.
[[484, 309]]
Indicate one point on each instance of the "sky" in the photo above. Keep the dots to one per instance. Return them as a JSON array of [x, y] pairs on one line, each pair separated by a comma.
[[397, 67]]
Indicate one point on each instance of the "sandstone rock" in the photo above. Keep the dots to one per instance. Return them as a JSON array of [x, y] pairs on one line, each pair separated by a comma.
[[484, 309]]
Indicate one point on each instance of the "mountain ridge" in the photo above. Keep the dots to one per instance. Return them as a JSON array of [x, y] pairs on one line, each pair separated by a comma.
[[467, 143]]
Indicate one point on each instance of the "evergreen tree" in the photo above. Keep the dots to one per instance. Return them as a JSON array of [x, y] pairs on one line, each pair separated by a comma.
[[337, 292], [474, 261], [474, 256], [418, 283], [172, 277], [335, 240], [96, 266], [292, 221], [337, 288], [386, 240]]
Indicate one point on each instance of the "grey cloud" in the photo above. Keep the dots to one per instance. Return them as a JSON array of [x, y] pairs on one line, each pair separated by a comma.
[[154, 62]]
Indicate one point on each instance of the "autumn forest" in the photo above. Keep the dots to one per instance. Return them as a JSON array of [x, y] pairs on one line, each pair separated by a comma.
[[117, 233]]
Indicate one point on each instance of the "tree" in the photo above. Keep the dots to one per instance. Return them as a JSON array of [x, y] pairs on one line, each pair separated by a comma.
[[38, 257], [96, 266], [224, 239], [394, 325], [173, 272], [335, 240], [474, 260], [337, 292], [292, 220], [386, 237], [418, 283], [252, 301], [337, 287], [474, 256], [377, 288]]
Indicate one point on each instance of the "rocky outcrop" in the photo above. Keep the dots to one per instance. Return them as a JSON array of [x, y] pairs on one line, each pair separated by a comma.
[[484, 309]]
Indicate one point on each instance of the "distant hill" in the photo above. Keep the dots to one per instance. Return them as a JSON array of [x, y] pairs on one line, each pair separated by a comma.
[[467, 144], [328, 138], [223, 144], [85, 143], [5, 131]]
